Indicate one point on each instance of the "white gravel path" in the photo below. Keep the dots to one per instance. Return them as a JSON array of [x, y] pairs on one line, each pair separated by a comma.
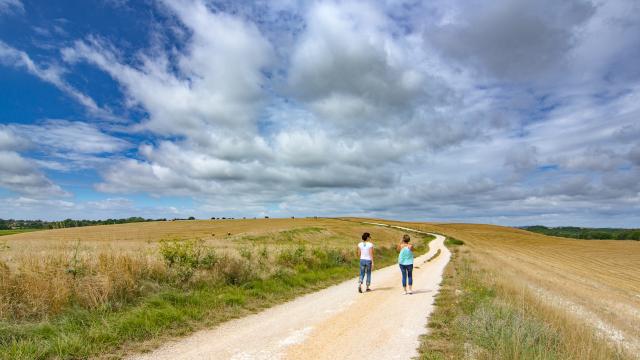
[[334, 323]]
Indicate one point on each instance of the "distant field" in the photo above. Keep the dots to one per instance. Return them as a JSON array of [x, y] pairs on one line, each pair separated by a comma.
[[143, 238], [596, 281], [586, 233], [17, 231]]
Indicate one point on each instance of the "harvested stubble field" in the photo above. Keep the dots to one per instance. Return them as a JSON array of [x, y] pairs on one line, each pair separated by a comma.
[[79, 292], [595, 282]]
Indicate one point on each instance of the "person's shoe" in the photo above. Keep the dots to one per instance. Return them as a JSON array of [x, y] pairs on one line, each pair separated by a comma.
[[368, 289], [360, 288]]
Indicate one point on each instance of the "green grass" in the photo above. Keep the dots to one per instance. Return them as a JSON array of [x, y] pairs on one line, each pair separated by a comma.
[[81, 333], [453, 242], [285, 236], [474, 318], [16, 231]]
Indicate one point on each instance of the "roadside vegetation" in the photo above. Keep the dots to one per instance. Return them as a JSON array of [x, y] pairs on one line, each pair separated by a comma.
[[81, 302], [586, 233], [481, 314]]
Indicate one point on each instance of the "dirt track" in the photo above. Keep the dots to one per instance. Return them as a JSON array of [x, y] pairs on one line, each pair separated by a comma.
[[334, 323]]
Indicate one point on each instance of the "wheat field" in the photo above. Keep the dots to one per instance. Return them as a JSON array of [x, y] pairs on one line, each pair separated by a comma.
[[596, 282], [44, 272]]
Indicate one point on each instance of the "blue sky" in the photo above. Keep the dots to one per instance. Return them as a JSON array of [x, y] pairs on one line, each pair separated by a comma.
[[509, 112]]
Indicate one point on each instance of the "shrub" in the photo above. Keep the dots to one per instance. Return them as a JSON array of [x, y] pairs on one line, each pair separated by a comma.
[[235, 271], [184, 257], [292, 257], [453, 241]]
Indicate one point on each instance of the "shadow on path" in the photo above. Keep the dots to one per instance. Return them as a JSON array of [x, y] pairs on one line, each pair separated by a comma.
[[421, 291], [382, 288]]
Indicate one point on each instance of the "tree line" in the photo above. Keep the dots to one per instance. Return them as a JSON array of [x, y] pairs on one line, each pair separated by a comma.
[[8, 224], [586, 233]]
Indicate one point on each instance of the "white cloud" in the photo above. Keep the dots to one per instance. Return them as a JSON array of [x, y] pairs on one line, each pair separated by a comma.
[[350, 68], [20, 174], [512, 39], [64, 145], [10, 6], [10, 141], [215, 82], [71, 136]]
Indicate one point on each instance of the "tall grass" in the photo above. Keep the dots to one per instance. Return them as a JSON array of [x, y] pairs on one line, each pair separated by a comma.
[[38, 287], [481, 315]]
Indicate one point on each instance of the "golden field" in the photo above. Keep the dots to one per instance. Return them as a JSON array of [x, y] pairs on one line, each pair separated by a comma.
[[43, 272], [596, 282], [579, 282]]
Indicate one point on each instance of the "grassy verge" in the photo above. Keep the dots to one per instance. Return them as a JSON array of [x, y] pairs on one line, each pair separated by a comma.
[[479, 316], [111, 332]]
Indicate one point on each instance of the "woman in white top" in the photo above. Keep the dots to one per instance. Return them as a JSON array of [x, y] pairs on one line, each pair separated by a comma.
[[365, 250]]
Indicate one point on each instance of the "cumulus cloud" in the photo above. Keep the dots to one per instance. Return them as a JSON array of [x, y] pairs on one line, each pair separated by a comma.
[[349, 67], [634, 155], [20, 174], [10, 141], [513, 39], [522, 158], [217, 82]]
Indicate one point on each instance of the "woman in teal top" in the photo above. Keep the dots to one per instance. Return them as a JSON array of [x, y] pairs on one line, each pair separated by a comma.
[[405, 260]]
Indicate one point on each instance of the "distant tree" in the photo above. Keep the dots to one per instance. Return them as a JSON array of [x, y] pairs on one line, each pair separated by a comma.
[[191, 218]]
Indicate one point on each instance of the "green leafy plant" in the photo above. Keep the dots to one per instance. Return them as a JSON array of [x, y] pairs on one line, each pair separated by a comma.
[[184, 257]]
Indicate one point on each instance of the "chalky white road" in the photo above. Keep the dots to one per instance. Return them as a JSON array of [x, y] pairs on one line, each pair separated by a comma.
[[334, 323]]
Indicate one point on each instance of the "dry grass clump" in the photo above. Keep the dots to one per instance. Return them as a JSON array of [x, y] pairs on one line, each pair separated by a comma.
[[39, 287], [42, 287]]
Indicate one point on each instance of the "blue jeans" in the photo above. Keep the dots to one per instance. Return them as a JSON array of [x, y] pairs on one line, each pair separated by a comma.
[[407, 271], [365, 267]]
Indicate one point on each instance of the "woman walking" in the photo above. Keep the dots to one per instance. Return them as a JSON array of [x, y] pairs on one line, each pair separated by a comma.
[[365, 249], [405, 260]]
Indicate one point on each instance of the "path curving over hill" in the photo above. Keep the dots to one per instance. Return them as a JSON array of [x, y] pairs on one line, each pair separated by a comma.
[[334, 323]]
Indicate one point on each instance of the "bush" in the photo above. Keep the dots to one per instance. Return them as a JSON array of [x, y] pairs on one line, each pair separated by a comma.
[[453, 242], [235, 271], [292, 257], [184, 257]]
